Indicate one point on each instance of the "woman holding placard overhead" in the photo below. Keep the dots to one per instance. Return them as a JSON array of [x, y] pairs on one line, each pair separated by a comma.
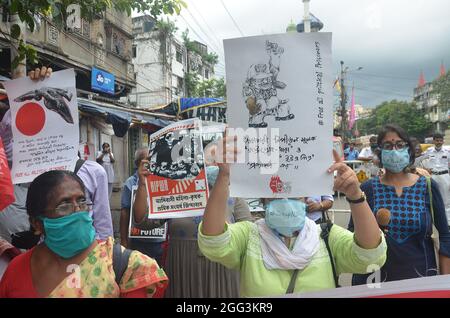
[[286, 252], [191, 274]]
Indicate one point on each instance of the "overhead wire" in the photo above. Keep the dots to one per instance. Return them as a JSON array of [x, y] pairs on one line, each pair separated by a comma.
[[232, 19]]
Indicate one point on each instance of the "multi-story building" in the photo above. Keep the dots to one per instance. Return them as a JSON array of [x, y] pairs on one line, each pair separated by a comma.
[[104, 45], [162, 63], [426, 99]]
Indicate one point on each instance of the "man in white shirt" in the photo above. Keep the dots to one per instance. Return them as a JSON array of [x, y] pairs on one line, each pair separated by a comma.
[[106, 159], [437, 161], [368, 154]]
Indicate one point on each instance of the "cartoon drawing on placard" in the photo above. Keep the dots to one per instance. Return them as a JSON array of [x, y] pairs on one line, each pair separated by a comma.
[[260, 90], [53, 100]]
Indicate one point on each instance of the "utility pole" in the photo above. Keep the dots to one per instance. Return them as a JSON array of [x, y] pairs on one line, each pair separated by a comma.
[[306, 18], [343, 105]]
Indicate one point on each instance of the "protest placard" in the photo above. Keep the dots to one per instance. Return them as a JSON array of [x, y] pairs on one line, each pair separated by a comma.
[[135, 232], [279, 96], [44, 125], [177, 184]]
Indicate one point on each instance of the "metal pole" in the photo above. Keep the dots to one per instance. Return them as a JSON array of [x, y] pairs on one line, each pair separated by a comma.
[[343, 104], [306, 19]]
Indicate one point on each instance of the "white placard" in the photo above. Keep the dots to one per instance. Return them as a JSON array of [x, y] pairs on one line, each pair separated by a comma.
[[279, 91], [44, 125]]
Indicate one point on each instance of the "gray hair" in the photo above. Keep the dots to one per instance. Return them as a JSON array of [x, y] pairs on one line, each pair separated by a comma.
[[140, 154]]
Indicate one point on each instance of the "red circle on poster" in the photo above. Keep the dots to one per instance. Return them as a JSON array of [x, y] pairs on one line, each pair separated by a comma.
[[30, 119]]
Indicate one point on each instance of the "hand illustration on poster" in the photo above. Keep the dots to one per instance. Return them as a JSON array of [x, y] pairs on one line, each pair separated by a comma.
[[280, 107], [44, 125]]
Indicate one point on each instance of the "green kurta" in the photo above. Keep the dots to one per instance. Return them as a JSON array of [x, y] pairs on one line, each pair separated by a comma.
[[239, 247]]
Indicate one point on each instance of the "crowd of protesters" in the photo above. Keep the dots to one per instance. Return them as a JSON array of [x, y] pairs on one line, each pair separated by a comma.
[[63, 219]]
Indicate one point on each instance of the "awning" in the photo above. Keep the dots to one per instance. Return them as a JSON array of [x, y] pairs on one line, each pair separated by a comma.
[[185, 104], [120, 117]]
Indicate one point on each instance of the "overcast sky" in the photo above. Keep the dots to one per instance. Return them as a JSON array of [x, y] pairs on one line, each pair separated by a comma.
[[393, 40]]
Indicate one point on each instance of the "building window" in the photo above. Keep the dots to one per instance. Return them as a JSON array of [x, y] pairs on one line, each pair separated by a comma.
[[179, 56], [118, 46], [180, 83], [134, 51], [148, 26], [100, 39], [52, 35], [86, 28]]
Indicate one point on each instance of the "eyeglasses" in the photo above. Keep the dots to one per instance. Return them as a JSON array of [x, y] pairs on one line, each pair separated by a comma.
[[66, 209], [398, 145]]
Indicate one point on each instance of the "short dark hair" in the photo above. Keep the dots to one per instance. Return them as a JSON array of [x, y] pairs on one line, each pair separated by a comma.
[[438, 136], [40, 190], [402, 134], [105, 143], [373, 139]]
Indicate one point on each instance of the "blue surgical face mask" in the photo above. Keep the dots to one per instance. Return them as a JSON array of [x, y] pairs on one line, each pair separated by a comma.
[[69, 235], [395, 160], [286, 216]]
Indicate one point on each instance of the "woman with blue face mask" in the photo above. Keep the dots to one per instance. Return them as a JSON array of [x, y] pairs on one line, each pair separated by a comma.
[[69, 262], [285, 252], [408, 224]]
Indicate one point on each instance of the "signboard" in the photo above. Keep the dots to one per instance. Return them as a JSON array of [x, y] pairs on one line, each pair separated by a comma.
[[177, 184], [134, 232], [280, 105], [44, 125], [208, 113], [102, 81]]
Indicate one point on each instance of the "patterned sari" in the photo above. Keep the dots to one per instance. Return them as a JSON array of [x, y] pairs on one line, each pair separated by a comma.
[[94, 277]]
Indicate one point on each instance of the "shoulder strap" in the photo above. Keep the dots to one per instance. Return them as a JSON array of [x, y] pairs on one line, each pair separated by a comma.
[[120, 261], [78, 165], [430, 194], [291, 286], [326, 229]]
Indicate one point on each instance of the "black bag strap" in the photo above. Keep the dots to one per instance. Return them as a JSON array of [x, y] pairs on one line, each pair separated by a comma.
[[326, 229], [291, 286], [78, 165], [120, 261]]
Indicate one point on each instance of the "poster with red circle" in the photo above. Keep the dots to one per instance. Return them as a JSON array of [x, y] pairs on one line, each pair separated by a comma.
[[44, 124]]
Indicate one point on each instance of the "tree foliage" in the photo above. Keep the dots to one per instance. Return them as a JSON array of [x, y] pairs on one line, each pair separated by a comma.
[[209, 58], [403, 114], [208, 88], [29, 11], [441, 87]]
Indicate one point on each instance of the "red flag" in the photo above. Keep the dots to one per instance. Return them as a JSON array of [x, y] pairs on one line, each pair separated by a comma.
[[421, 80], [6, 186], [442, 70]]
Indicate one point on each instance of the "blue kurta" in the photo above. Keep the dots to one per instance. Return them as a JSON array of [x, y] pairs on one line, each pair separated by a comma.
[[410, 247]]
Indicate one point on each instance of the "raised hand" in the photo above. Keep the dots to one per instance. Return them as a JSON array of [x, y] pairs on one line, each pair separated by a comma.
[[346, 180]]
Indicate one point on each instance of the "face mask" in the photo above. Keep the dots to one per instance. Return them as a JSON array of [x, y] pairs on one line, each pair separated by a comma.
[[395, 160], [69, 235], [374, 146], [286, 216]]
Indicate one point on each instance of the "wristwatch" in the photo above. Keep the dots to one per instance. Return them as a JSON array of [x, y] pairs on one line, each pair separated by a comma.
[[360, 200]]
